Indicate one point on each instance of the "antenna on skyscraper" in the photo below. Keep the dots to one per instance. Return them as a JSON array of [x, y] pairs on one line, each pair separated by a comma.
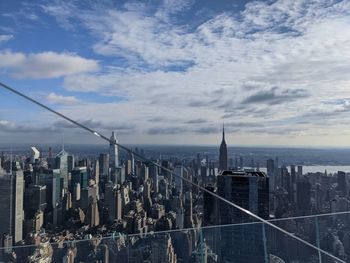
[[223, 130], [62, 141], [11, 191]]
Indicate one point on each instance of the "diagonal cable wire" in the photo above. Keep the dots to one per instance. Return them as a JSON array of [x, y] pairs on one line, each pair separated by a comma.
[[168, 170]]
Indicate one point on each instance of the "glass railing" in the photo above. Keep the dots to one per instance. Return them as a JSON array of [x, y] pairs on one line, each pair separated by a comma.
[[68, 199], [249, 242]]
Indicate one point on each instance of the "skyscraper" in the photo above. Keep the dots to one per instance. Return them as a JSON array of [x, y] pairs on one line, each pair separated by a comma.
[[35, 154], [293, 183], [79, 175], [70, 163], [51, 179], [300, 172], [5, 204], [113, 152], [293, 174], [92, 217], [223, 152], [103, 164], [341, 180], [62, 164], [270, 165], [11, 203], [179, 170], [35, 199], [113, 200], [162, 250], [153, 173], [188, 205], [210, 203], [303, 196], [96, 173], [249, 190]]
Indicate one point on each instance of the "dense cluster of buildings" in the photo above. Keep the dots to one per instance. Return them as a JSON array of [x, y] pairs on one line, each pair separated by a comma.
[[117, 208]]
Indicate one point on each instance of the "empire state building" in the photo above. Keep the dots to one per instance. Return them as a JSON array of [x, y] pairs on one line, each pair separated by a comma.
[[223, 152]]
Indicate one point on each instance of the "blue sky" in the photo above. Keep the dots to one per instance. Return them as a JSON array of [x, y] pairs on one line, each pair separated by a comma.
[[276, 72]]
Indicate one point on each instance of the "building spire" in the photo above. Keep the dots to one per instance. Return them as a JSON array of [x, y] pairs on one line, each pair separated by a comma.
[[223, 152], [113, 137], [223, 132], [62, 142]]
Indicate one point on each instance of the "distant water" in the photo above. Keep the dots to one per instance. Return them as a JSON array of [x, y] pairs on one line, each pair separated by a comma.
[[320, 168]]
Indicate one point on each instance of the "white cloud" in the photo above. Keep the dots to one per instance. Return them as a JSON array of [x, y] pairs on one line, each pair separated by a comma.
[[59, 99], [46, 64], [292, 45], [6, 123], [178, 71], [4, 38]]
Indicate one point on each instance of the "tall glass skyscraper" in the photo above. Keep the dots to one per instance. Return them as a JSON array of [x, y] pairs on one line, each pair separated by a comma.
[[62, 164], [249, 190], [11, 203], [113, 152]]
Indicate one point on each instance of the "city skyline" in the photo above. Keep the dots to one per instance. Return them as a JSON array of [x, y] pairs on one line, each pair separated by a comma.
[[173, 131], [146, 198], [274, 72]]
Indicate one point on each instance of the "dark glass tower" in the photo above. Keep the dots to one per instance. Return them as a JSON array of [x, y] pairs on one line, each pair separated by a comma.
[[223, 152], [249, 190]]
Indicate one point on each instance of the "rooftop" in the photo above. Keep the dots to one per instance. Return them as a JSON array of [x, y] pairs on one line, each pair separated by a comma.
[[243, 173]]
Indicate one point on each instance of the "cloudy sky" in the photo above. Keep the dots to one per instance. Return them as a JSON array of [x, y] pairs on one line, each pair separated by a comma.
[[171, 72]]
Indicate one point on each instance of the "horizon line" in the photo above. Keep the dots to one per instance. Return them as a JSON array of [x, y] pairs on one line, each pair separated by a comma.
[[187, 145]]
